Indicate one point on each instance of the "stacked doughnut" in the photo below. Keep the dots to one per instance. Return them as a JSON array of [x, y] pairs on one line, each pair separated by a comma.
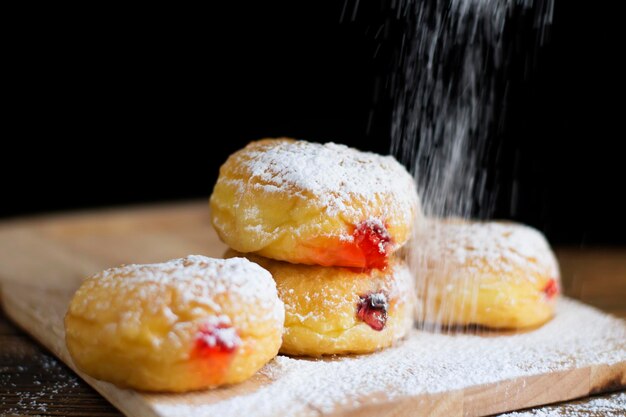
[[326, 221]]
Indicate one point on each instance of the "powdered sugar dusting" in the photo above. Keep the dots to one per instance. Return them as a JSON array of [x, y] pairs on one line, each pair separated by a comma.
[[217, 276], [196, 279], [334, 175], [53, 386], [425, 363], [502, 246], [220, 336]]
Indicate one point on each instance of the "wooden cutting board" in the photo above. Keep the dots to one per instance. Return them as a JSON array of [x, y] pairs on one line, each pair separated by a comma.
[[42, 261]]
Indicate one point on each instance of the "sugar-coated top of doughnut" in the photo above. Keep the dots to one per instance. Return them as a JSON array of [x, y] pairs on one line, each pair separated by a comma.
[[331, 172], [500, 245], [195, 279]]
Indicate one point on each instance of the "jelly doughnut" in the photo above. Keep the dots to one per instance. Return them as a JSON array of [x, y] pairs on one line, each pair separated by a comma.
[[333, 310], [182, 325], [491, 274], [314, 204]]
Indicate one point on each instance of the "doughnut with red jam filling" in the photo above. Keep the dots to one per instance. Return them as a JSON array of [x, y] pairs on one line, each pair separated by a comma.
[[314, 204], [332, 310], [492, 274], [182, 325]]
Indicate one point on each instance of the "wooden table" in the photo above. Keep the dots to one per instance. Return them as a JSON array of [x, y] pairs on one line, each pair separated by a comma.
[[33, 382]]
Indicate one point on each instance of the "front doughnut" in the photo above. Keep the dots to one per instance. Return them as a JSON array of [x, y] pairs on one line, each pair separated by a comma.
[[182, 325]]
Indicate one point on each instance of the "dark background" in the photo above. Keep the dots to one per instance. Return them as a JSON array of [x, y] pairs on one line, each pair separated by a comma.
[[96, 90]]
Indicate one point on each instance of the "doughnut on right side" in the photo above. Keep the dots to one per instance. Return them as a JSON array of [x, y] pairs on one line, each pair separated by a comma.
[[491, 274]]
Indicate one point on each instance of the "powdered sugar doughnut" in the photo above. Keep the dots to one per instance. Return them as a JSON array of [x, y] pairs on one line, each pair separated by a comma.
[[182, 325], [331, 310], [314, 204], [498, 275]]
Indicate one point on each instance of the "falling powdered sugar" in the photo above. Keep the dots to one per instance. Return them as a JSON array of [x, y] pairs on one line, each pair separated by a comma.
[[426, 363], [449, 87]]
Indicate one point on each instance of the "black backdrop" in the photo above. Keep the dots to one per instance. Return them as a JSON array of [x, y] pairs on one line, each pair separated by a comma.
[[205, 82]]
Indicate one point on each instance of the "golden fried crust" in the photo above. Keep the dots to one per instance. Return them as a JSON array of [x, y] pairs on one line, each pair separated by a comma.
[[314, 204], [322, 304], [182, 325], [492, 274]]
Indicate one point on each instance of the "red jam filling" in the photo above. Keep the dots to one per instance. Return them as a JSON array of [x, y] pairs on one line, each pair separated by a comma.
[[372, 309], [373, 240], [551, 289], [215, 341]]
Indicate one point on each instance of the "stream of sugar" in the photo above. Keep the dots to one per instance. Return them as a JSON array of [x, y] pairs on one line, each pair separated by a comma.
[[447, 104]]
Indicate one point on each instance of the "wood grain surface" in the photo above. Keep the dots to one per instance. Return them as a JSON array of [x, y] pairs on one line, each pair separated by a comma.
[[55, 253]]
